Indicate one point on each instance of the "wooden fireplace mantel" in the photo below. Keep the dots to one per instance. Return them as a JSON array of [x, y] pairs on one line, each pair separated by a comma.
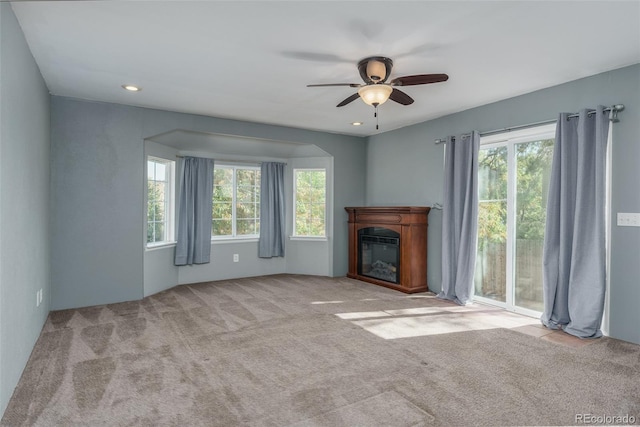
[[411, 223]]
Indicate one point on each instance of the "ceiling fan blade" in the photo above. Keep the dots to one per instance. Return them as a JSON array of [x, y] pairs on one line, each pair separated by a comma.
[[336, 84], [400, 97], [349, 99], [419, 79]]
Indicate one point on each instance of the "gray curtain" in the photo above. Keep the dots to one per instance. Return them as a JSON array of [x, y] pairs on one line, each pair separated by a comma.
[[460, 217], [194, 212], [272, 214], [574, 246]]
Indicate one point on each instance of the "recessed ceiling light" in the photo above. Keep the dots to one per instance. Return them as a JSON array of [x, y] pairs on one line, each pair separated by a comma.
[[132, 88], [357, 123]]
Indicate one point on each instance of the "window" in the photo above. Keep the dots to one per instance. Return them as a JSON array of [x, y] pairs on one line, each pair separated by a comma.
[[309, 201], [236, 201], [159, 200], [513, 180]]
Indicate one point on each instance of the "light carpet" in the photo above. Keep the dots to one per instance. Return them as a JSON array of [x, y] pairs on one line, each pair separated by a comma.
[[291, 350]]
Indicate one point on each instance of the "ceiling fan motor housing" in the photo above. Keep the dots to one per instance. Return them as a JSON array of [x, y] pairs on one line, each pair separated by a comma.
[[375, 69]]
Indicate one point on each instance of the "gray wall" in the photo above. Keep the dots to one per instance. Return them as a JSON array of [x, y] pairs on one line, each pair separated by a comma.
[[404, 167], [97, 192], [97, 163], [24, 202], [222, 266]]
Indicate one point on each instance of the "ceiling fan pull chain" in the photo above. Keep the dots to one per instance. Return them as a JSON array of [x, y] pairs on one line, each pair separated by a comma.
[[375, 114]]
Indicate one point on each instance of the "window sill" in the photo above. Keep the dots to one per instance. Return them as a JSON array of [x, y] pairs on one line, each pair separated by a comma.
[[309, 238], [160, 245], [225, 240]]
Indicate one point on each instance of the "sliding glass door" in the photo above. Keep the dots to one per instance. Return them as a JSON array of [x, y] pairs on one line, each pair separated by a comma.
[[513, 174], [491, 259]]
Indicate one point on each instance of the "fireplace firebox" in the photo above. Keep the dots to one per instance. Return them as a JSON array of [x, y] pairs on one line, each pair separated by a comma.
[[379, 253], [388, 246]]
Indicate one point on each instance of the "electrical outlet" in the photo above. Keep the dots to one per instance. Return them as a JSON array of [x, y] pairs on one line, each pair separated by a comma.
[[628, 219], [236, 257]]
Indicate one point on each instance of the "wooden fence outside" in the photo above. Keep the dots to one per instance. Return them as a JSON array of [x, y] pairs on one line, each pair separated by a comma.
[[491, 267]]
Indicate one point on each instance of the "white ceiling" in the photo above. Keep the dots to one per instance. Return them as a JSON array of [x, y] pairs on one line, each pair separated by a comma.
[[253, 60]]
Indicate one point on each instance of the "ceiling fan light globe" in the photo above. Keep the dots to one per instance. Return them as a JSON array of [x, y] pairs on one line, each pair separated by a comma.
[[375, 94]]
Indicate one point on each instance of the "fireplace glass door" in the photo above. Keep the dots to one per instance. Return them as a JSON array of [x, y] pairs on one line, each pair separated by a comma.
[[379, 254]]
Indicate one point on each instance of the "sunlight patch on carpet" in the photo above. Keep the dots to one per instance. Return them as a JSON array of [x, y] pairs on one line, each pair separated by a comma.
[[423, 321], [343, 302], [362, 315]]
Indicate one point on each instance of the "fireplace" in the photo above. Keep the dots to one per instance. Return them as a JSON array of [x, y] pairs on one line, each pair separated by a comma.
[[388, 246], [379, 253]]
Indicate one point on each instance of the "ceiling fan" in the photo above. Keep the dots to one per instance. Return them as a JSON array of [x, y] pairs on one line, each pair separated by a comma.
[[375, 71]]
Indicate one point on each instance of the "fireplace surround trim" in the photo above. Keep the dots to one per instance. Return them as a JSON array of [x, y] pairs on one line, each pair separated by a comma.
[[411, 223]]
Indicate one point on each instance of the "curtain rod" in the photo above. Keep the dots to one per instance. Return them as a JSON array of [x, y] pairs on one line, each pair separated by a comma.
[[613, 116]]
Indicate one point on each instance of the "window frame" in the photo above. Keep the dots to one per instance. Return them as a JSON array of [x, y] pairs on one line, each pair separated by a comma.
[[170, 205], [294, 234], [234, 236]]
